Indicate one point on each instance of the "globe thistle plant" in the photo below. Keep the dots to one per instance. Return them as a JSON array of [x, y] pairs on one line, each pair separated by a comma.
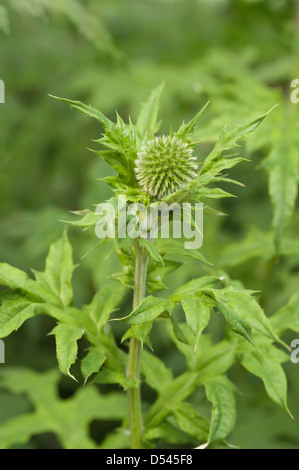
[[153, 170], [164, 165]]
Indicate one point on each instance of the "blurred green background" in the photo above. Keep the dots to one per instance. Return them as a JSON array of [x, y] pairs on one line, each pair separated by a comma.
[[242, 56]]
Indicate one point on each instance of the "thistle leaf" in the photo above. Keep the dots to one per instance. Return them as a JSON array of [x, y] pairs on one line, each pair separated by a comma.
[[66, 346], [220, 392], [228, 140], [146, 125]]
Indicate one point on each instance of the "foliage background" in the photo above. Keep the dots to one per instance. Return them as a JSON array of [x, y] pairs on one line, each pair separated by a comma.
[[240, 54]]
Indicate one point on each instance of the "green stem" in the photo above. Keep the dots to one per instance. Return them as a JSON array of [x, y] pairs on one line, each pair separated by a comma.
[[133, 372]]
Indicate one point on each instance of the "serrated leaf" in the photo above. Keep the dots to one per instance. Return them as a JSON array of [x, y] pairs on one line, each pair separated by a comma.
[[268, 368], [114, 159], [146, 125], [88, 111], [209, 193], [119, 137], [13, 313], [235, 322], [283, 167], [228, 139], [245, 306], [155, 371], [151, 250], [122, 138], [191, 422], [183, 333], [105, 301], [166, 432], [92, 362], [186, 129], [191, 287], [66, 346], [176, 247], [197, 311], [19, 281], [108, 376], [88, 220], [102, 242], [170, 398], [59, 270], [287, 317], [157, 272], [223, 163], [151, 307], [140, 332], [212, 362], [219, 392]]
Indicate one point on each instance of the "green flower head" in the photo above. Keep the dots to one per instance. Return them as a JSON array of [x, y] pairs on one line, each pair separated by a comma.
[[164, 165]]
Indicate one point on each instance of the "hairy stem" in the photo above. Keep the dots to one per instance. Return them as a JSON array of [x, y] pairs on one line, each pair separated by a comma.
[[133, 372]]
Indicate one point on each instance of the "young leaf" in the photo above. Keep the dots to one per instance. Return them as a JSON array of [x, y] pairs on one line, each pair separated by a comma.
[[88, 111], [186, 129], [146, 125], [115, 160]]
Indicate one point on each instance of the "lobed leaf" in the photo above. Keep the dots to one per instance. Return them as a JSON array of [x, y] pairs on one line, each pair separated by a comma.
[[228, 140], [267, 366]]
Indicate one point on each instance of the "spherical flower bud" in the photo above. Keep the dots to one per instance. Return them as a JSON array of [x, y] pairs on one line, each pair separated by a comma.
[[164, 165]]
